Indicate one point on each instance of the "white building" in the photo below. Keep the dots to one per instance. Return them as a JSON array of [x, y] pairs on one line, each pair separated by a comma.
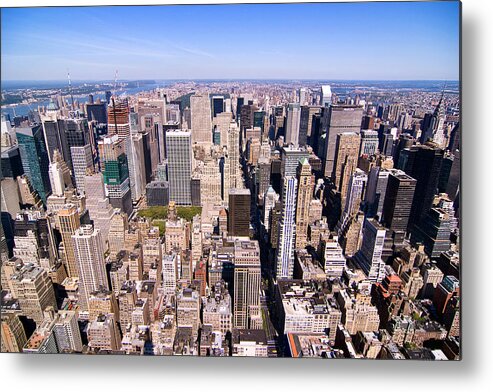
[[287, 230], [89, 256], [293, 124]]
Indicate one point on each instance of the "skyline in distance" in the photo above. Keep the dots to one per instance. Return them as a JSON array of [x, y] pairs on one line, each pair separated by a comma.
[[337, 41]]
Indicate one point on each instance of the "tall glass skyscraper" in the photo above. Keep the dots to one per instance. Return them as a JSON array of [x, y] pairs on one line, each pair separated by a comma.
[[34, 158]]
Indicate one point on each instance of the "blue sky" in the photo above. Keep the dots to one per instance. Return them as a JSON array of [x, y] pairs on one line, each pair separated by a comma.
[[295, 41]]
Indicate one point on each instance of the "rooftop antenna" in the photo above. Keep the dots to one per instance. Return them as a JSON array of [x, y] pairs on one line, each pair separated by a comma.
[[116, 77], [70, 89]]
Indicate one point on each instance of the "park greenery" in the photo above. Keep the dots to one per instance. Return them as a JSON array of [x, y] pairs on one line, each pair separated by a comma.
[[158, 214]]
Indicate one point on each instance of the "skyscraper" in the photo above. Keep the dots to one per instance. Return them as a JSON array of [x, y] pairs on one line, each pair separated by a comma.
[[397, 205], [246, 296], [287, 230], [200, 107], [369, 142], [270, 199], [338, 119], [97, 112], [325, 96], [67, 332], [118, 118], [136, 165], [423, 163], [355, 192], [179, 153], [33, 288], [346, 160], [34, 158], [306, 183], [233, 158], [239, 212], [293, 124], [69, 223], [375, 191], [306, 123], [290, 158], [90, 261], [82, 162], [217, 105], [369, 257], [115, 169]]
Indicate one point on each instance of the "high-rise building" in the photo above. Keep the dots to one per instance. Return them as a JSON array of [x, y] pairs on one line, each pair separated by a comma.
[[369, 257], [333, 258], [90, 260], [200, 107], [169, 265], [375, 191], [449, 287], [98, 205], [433, 232], [397, 205], [290, 158], [369, 142], [306, 122], [33, 288], [34, 158], [97, 112], [325, 96], [355, 192], [293, 124], [239, 212], [67, 334], [77, 134], [287, 230], [34, 239], [54, 132], [56, 179], [233, 160], [103, 334], [217, 309], [11, 164], [118, 228], [217, 105], [346, 160], [118, 118], [247, 280], [82, 162], [433, 124], [221, 126], [69, 223], [263, 175], [306, 183], [115, 169], [422, 163], [12, 333], [270, 199], [179, 153], [188, 309], [338, 119], [136, 165]]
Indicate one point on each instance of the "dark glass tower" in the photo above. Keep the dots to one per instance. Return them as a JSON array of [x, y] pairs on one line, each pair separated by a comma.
[[35, 158], [397, 204], [239, 212], [423, 163]]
